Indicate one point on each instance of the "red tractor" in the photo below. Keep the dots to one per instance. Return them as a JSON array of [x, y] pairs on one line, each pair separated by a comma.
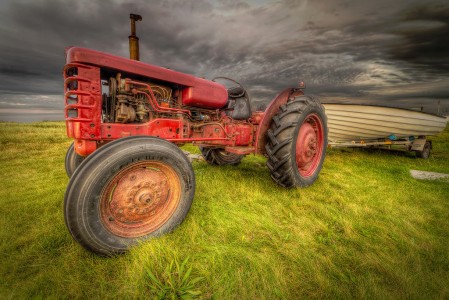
[[129, 180]]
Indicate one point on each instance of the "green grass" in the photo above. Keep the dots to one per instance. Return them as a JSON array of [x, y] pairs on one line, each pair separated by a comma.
[[364, 229]]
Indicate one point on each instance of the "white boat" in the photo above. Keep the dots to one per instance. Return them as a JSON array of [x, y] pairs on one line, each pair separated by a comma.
[[352, 122]]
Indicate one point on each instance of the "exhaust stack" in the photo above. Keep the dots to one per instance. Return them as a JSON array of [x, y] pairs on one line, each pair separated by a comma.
[[133, 39]]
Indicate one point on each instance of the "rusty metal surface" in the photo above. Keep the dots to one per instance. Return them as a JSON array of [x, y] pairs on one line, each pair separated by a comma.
[[309, 145], [140, 199]]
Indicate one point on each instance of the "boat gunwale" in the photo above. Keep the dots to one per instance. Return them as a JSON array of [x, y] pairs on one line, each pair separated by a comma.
[[341, 119], [383, 106]]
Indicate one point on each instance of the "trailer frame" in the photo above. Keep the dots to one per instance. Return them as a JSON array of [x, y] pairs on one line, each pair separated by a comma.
[[409, 144]]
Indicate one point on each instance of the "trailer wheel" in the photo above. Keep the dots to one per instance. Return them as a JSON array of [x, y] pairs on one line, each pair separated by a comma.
[[425, 153], [129, 190], [72, 160], [220, 157], [297, 142]]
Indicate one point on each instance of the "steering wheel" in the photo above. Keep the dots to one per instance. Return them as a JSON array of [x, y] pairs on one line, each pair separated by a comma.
[[234, 91]]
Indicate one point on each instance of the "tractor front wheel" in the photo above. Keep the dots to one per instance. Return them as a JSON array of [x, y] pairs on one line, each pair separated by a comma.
[[72, 160], [297, 142], [129, 190], [220, 157]]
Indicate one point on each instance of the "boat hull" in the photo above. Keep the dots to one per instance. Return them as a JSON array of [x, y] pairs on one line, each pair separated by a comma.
[[349, 122]]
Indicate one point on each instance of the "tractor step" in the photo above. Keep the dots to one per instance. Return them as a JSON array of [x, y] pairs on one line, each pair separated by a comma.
[[241, 150]]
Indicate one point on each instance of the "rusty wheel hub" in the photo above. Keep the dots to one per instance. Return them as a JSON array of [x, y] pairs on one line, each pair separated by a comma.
[[140, 199]]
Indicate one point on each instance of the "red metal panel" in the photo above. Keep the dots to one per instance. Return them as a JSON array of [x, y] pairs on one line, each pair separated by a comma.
[[205, 95], [163, 128], [121, 64], [82, 95], [242, 132], [84, 147]]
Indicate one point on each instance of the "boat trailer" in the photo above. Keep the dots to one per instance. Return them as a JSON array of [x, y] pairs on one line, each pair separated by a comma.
[[421, 146]]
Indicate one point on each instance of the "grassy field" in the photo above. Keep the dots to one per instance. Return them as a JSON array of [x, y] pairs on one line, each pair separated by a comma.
[[364, 229]]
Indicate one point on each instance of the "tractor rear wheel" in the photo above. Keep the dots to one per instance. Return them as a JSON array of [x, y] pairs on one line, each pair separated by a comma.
[[129, 190], [220, 157], [72, 160], [297, 142]]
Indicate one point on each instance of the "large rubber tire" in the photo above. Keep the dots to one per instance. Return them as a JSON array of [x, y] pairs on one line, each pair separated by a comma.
[[219, 157], [72, 160], [130, 190], [425, 153], [296, 142]]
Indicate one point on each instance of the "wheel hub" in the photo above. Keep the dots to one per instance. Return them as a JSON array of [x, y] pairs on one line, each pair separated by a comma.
[[306, 150], [309, 145], [143, 192], [139, 199]]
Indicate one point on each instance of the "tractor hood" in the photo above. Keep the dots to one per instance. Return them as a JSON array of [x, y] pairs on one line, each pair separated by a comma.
[[197, 92]]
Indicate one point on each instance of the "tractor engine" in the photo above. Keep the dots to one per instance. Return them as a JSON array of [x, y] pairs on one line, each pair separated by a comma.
[[125, 104], [130, 101]]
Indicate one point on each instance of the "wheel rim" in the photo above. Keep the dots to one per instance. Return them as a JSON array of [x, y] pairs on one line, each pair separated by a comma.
[[309, 145], [140, 199]]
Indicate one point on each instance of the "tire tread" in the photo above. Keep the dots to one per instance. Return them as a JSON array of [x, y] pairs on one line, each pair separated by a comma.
[[280, 139]]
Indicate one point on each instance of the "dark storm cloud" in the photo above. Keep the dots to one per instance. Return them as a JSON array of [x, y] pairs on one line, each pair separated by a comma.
[[425, 37], [377, 52]]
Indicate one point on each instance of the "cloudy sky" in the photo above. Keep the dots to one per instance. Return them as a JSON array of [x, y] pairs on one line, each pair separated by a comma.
[[379, 52]]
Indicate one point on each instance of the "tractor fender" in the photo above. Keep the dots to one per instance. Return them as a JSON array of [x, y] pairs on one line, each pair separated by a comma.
[[272, 109]]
